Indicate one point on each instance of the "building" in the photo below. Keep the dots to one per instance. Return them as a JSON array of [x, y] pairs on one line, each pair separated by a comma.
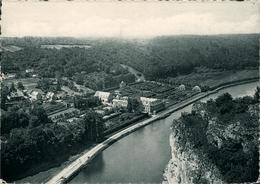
[[64, 114], [16, 96], [122, 84], [2, 76], [101, 112], [10, 76], [50, 96], [120, 102], [152, 105], [117, 92], [36, 94], [196, 89], [105, 97], [181, 87], [29, 70]]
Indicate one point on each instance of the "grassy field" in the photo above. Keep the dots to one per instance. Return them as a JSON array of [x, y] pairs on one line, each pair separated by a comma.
[[29, 83]]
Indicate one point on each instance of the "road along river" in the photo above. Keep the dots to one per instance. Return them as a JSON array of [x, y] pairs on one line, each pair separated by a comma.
[[142, 155]]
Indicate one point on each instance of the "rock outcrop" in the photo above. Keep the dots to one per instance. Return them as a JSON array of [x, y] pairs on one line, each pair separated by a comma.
[[210, 148], [189, 166]]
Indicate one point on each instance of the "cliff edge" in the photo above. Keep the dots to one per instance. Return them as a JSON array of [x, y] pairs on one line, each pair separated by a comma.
[[216, 143]]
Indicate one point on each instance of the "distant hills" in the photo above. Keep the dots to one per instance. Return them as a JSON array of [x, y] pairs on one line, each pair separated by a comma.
[[159, 57]]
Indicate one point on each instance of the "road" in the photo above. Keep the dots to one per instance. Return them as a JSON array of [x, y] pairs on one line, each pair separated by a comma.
[[139, 76]]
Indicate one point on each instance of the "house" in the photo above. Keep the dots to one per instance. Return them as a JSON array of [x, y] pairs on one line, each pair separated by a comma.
[[196, 89], [10, 76], [50, 96], [122, 84], [120, 102], [101, 112], [70, 120], [29, 70], [16, 96], [181, 87], [36, 94], [117, 92], [105, 97], [2, 76], [61, 94], [152, 105]]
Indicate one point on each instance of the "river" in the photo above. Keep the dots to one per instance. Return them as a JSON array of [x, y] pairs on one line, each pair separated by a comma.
[[143, 155]]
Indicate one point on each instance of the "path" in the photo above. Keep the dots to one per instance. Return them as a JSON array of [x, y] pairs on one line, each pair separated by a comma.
[[139, 76]]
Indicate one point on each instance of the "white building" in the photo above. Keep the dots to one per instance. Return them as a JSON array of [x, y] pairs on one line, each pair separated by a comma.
[[152, 105], [50, 96], [196, 89], [29, 70], [36, 95], [181, 87], [2, 76], [105, 97], [122, 84], [120, 102]]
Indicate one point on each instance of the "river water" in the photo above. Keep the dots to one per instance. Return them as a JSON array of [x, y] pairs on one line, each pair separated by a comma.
[[142, 156]]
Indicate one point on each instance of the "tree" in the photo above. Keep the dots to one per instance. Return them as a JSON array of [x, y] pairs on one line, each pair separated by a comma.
[[58, 87], [44, 84], [94, 126], [4, 93], [257, 93], [134, 105], [224, 103], [12, 87], [39, 116], [20, 85], [15, 117]]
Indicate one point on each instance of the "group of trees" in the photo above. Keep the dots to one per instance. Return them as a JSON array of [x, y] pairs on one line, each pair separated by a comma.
[[18, 117], [171, 56], [7, 90], [233, 151], [159, 57], [102, 80], [33, 139], [134, 105], [29, 138], [46, 85], [93, 65]]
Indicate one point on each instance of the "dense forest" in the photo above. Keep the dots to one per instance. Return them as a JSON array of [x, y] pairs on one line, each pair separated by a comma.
[[159, 57], [226, 130], [31, 141]]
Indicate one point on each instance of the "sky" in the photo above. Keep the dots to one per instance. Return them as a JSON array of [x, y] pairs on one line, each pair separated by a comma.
[[127, 19]]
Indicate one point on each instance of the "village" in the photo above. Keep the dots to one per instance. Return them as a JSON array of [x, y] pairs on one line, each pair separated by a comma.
[[64, 101]]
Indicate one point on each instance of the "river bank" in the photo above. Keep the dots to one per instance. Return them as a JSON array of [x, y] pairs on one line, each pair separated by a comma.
[[75, 166]]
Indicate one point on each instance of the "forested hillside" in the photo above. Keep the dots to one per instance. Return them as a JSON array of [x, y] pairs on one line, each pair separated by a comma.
[[159, 57]]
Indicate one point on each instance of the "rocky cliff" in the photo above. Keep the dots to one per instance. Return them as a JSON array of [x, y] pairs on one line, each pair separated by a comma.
[[189, 166], [209, 146]]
